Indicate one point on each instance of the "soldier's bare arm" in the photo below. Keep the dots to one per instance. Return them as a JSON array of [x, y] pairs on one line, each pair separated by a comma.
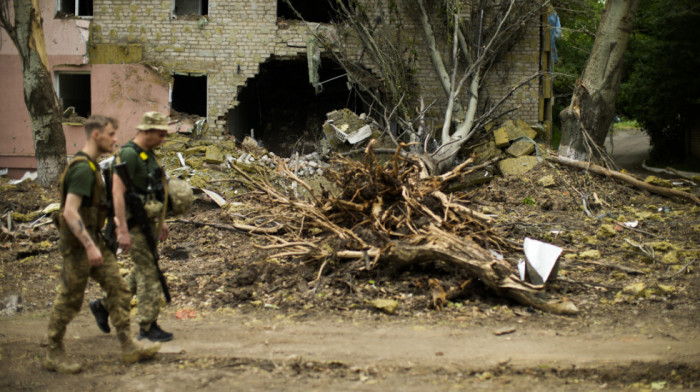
[[77, 226]]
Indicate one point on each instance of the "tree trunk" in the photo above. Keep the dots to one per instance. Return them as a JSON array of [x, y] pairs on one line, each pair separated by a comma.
[[39, 95], [586, 121]]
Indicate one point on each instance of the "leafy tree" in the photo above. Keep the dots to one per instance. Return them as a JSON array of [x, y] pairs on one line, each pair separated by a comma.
[[587, 119], [662, 88]]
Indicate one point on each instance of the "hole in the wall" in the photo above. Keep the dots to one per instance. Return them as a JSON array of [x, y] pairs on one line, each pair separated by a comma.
[[283, 109], [319, 11], [73, 90], [190, 94], [74, 8], [191, 7]]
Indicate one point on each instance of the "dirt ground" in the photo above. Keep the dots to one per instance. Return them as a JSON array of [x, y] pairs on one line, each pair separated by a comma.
[[245, 321]]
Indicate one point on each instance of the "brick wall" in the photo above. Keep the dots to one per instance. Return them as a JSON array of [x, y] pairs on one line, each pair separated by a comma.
[[238, 35]]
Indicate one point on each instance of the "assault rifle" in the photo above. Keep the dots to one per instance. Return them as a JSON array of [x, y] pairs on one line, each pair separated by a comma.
[[138, 217], [109, 231]]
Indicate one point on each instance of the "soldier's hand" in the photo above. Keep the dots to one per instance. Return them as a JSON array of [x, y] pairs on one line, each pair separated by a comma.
[[164, 232], [124, 240], [94, 256]]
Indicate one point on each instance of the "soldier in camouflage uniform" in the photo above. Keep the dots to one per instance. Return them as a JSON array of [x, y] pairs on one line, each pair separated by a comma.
[[146, 178], [84, 251]]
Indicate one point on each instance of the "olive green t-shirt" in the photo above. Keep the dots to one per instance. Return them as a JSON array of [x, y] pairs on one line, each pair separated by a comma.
[[80, 180]]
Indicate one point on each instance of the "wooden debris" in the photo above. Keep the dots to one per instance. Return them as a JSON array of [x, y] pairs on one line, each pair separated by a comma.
[[386, 216]]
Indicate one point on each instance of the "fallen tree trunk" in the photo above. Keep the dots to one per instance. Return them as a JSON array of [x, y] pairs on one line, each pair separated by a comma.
[[464, 253], [624, 177]]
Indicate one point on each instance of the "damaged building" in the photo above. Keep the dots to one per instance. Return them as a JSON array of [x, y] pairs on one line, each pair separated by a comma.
[[218, 68]]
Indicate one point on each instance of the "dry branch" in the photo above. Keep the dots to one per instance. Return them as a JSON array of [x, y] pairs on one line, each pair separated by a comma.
[[624, 177], [239, 227]]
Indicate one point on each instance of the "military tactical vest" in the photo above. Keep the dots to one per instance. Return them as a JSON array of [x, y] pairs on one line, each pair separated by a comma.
[[155, 182], [93, 215]]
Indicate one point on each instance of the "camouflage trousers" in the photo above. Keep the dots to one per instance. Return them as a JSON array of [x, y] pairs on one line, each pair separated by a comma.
[[143, 280], [71, 291]]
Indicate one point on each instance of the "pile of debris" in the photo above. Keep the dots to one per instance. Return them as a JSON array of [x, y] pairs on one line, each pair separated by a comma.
[[384, 216]]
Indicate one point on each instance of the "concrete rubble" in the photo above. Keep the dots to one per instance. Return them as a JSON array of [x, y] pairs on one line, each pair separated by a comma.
[[518, 141], [208, 165]]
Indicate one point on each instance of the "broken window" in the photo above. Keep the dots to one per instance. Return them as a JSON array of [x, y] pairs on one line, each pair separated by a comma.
[[73, 7], [189, 94], [319, 11], [281, 109], [190, 7], [73, 90]]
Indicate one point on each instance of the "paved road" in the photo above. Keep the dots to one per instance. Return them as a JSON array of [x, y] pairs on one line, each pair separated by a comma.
[[629, 148]]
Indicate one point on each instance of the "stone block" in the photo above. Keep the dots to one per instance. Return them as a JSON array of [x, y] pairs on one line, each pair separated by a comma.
[[546, 181], [518, 165]]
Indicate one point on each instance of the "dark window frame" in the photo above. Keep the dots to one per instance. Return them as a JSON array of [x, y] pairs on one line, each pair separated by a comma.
[[84, 109]]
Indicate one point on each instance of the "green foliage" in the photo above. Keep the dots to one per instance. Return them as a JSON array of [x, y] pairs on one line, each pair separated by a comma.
[[661, 88], [528, 201]]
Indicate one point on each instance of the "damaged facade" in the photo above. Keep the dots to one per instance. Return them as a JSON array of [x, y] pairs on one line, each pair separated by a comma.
[[240, 64]]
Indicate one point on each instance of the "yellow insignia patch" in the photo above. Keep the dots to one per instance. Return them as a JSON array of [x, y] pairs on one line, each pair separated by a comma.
[[92, 166], [143, 156]]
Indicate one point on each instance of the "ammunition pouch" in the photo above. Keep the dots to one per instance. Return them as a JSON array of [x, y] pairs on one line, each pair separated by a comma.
[[153, 208]]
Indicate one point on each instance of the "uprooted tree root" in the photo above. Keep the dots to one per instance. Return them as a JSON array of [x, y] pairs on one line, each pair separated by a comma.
[[385, 216]]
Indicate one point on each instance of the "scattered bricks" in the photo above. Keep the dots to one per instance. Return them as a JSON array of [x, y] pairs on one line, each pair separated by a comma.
[[518, 165], [521, 148]]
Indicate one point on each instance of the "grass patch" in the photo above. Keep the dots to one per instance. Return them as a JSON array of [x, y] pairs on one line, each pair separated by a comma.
[[627, 124]]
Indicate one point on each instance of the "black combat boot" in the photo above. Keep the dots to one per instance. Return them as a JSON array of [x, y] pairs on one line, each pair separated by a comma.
[[155, 334], [101, 315]]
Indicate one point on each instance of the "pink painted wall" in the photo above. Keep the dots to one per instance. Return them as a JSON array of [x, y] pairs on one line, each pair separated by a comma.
[[126, 92], [121, 91]]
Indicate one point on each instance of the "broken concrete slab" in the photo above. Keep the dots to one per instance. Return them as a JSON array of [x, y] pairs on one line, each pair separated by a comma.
[[213, 155], [514, 130], [199, 150], [520, 148], [518, 165], [527, 129], [342, 129]]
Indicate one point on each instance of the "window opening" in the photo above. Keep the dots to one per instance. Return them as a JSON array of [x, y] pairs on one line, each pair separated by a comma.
[[74, 7], [190, 7], [189, 94], [319, 11], [73, 90]]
